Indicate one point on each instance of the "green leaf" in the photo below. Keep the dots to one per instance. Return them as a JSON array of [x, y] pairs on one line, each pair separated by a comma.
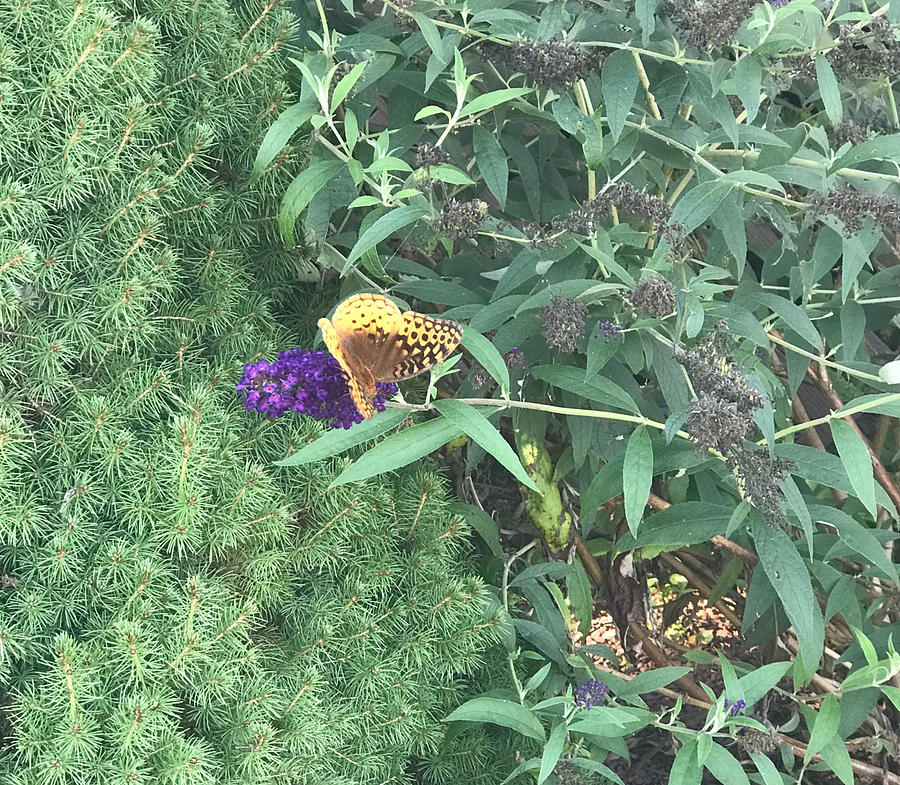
[[700, 203], [499, 712], [491, 162], [541, 638], [685, 769], [486, 353], [789, 577], [432, 35], [766, 769], [553, 750], [857, 462], [580, 595], [881, 147], [725, 767], [448, 173], [301, 191], [280, 132], [853, 329], [645, 10], [651, 680], [858, 538], [792, 315], [826, 469], [399, 449], [824, 728], [485, 526], [346, 84], [485, 435], [681, 524], [338, 440], [760, 680], [440, 292], [384, 227], [637, 475], [829, 90], [610, 721], [489, 100], [748, 84], [837, 758], [598, 389], [619, 81], [797, 503]]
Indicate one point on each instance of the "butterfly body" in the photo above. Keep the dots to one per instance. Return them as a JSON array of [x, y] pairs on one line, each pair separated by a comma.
[[374, 341]]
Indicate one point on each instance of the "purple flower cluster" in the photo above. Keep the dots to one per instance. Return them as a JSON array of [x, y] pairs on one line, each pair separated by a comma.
[[610, 330], [303, 380], [735, 707], [590, 694]]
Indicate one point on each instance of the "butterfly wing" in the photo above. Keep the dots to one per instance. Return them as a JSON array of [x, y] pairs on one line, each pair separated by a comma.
[[359, 378], [419, 343]]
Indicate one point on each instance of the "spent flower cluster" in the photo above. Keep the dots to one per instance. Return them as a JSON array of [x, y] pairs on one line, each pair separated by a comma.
[[547, 63], [708, 24], [462, 220], [304, 381], [563, 321], [655, 295], [853, 207], [721, 415]]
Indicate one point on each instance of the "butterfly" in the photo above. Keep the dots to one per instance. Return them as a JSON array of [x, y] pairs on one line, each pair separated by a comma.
[[375, 342]]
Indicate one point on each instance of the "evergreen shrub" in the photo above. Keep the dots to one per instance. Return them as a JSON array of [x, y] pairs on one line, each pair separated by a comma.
[[174, 609]]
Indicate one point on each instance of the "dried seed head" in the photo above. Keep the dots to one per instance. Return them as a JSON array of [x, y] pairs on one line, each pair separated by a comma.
[[655, 295], [548, 63], [563, 322], [461, 220], [430, 155], [758, 477], [853, 207], [717, 424], [708, 24]]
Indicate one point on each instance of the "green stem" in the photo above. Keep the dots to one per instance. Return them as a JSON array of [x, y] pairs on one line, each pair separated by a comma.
[[838, 415], [326, 35], [828, 363]]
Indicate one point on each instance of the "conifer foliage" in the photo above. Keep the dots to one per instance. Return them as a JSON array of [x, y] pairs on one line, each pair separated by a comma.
[[174, 610]]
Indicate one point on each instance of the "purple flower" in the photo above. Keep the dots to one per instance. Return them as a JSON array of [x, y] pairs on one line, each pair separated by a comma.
[[303, 380], [610, 330], [590, 694], [735, 707]]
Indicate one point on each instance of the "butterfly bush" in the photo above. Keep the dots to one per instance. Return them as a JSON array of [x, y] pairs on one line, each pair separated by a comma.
[[308, 382]]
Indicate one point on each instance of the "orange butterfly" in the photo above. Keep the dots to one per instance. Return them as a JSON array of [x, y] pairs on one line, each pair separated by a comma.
[[375, 342]]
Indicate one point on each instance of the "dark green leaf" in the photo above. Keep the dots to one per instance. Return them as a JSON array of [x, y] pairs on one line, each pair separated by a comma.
[[553, 750], [857, 462], [637, 475], [335, 441], [619, 81], [492, 163], [301, 191], [384, 227], [829, 90], [483, 433], [788, 575], [400, 449], [486, 353], [599, 389], [499, 712]]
